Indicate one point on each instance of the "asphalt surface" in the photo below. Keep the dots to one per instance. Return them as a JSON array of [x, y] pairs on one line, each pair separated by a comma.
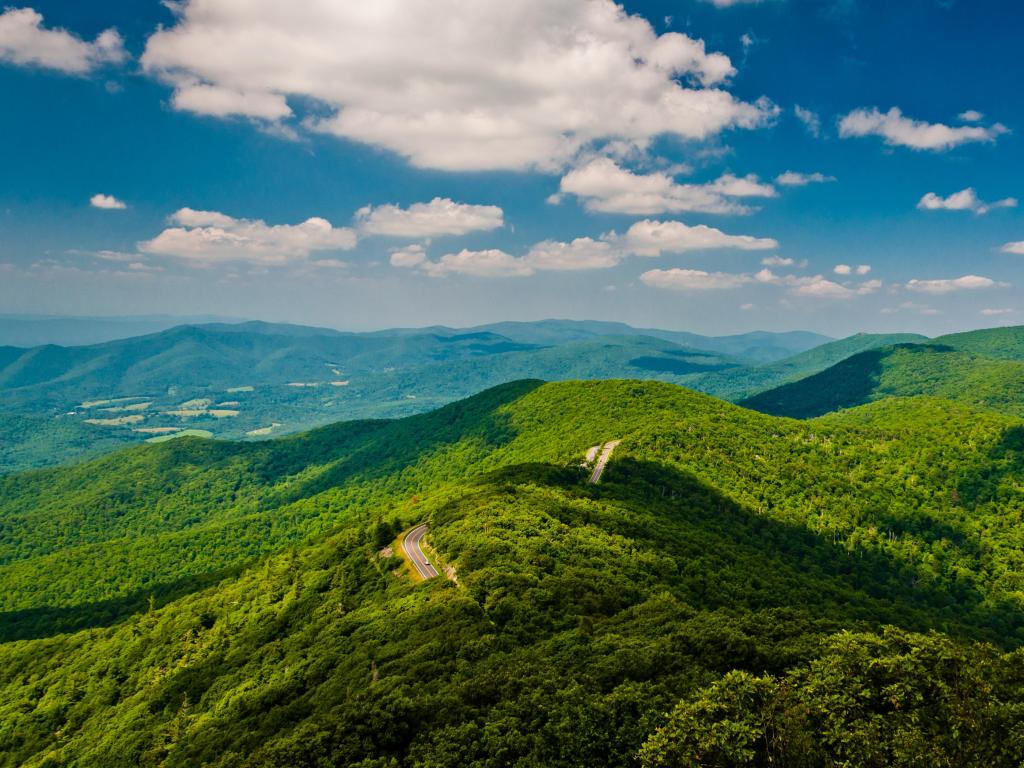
[[414, 551], [605, 455]]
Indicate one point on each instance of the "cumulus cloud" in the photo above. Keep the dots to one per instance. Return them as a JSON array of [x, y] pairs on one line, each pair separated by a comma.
[[795, 179], [818, 285], [777, 261], [408, 257], [693, 279], [815, 286], [971, 116], [488, 263], [731, 3], [24, 41], [1015, 247], [996, 312], [604, 186], [652, 238], [107, 202], [220, 101], [440, 216], [846, 269], [964, 200], [644, 238], [581, 253], [208, 237], [810, 120], [449, 84], [965, 283], [900, 131]]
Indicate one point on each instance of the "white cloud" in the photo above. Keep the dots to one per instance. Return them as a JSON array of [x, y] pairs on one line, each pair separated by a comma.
[[964, 200], [693, 279], [489, 263], [1015, 248], [408, 257], [810, 120], [440, 216], [107, 202], [745, 186], [219, 101], [971, 116], [731, 3], [644, 238], [965, 283], [777, 261], [581, 253], [795, 179], [997, 312], [652, 238], [901, 131], [846, 269], [449, 84], [818, 285], [24, 41], [814, 286], [605, 186], [209, 237]]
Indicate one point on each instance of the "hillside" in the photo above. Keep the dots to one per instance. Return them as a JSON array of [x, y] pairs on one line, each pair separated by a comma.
[[239, 604], [756, 346], [258, 380], [901, 371], [741, 382], [1001, 343]]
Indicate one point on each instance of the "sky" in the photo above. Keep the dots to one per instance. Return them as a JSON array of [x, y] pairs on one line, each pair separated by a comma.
[[716, 166]]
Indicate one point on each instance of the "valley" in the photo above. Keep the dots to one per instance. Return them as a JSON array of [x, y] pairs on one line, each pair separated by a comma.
[[194, 600]]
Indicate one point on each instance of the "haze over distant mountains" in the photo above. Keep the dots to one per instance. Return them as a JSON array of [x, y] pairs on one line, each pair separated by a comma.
[[253, 380]]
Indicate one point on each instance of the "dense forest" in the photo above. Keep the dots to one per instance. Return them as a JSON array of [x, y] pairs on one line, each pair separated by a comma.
[[259, 380], [739, 589]]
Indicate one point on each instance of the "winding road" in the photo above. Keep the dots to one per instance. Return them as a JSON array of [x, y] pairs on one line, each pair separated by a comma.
[[414, 551], [605, 455]]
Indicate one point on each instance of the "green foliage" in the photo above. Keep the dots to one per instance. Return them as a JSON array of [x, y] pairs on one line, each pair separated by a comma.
[[899, 699], [901, 371], [27, 442], [197, 602], [739, 383]]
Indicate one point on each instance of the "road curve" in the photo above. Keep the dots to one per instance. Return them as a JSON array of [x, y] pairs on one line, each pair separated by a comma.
[[605, 455], [414, 551]]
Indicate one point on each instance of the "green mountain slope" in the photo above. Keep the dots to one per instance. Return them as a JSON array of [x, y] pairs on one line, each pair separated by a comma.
[[756, 346], [742, 382], [254, 380], [283, 632], [1000, 343], [900, 371]]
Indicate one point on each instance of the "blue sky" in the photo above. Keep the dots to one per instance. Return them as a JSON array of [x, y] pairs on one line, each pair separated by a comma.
[[417, 163]]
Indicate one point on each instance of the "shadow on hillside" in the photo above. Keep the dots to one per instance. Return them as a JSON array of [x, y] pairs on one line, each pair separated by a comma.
[[846, 384], [982, 483], [730, 558], [33, 623], [397, 445]]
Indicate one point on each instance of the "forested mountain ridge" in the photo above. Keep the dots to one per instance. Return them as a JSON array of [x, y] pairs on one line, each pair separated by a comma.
[[720, 543], [735, 384], [903, 370]]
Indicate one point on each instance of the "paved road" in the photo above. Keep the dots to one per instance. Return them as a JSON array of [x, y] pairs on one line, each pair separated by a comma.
[[413, 550], [605, 455]]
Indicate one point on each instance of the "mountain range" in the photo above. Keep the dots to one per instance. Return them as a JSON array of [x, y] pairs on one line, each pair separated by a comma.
[[731, 577]]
